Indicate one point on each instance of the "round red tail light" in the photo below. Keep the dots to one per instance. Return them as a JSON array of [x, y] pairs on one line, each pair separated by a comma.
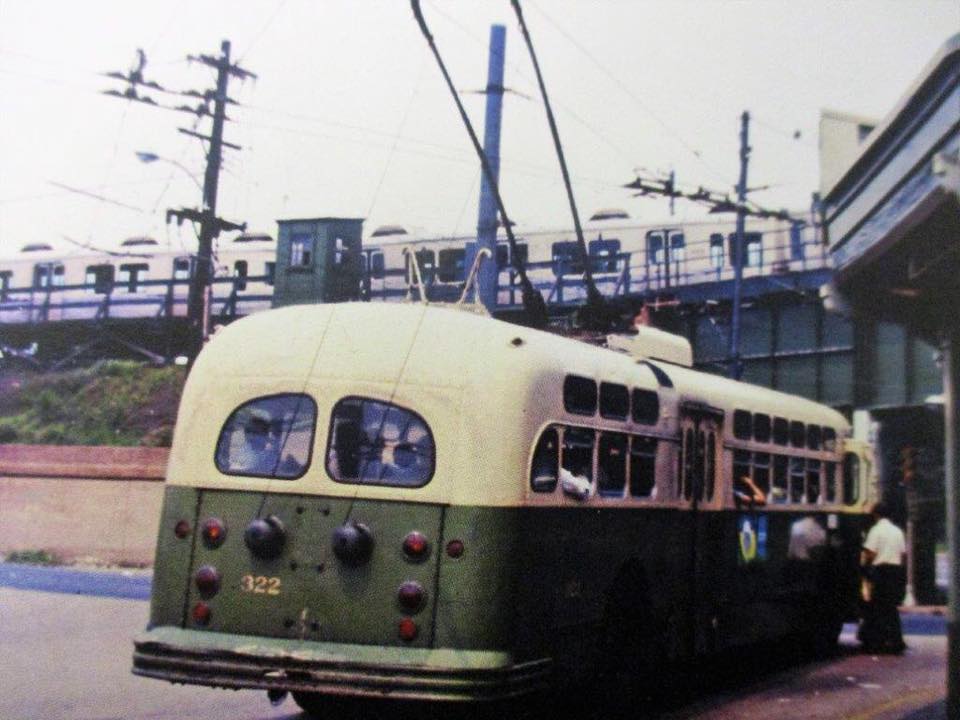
[[411, 596], [214, 532], [181, 529], [201, 613], [207, 580], [408, 630], [455, 548], [415, 546]]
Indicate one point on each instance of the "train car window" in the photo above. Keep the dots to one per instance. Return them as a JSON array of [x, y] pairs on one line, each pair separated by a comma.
[[761, 472], [132, 274], [813, 481], [655, 253], [566, 258], [181, 269], [612, 464], [643, 466], [761, 427], [797, 478], [709, 465], [426, 261], [270, 437], [741, 469], [645, 407], [450, 267], [851, 478], [603, 255], [379, 443], [270, 270], [754, 247], [813, 437], [301, 250], [577, 456], [377, 266], [830, 482], [779, 492], [829, 439], [503, 256], [100, 277], [5, 280], [798, 434], [614, 401], [716, 251], [58, 275], [546, 462], [678, 247], [781, 431], [742, 425], [580, 395], [41, 276], [240, 275]]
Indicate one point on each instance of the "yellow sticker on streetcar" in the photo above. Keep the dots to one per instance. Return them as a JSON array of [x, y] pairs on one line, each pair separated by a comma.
[[260, 584]]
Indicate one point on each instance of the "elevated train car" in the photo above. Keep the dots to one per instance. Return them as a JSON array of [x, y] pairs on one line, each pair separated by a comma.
[[409, 502]]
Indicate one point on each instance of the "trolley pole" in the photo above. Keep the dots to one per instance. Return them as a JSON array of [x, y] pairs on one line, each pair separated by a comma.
[[735, 369]]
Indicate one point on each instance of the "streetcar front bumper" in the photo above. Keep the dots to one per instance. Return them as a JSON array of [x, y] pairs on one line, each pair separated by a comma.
[[240, 661]]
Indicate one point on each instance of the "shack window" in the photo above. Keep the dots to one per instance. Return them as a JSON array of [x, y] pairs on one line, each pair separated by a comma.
[[378, 443], [643, 466], [301, 250], [742, 425], [646, 407], [612, 464], [761, 427], [614, 401], [268, 437], [451, 265], [132, 274], [546, 458], [100, 277], [798, 434], [578, 452], [781, 431], [851, 478], [580, 395]]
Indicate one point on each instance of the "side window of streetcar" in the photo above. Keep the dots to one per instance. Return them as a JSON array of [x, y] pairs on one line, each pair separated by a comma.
[[851, 478], [614, 401], [779, 492], [580, 395], [831, 482], [546, 462], [781, 431], [378, 443], [645, 407], [643, 466], [797, 477], [742, 425], [612, 464], [813, 481], [268, 437], [578, 452]]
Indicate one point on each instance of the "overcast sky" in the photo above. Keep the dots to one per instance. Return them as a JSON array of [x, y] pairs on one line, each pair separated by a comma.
[[350, 116]]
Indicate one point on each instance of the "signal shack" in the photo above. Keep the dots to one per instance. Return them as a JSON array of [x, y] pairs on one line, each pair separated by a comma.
[[318, 261]]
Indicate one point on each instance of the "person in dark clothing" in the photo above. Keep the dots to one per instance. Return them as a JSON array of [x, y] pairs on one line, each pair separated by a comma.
[[883, 561]]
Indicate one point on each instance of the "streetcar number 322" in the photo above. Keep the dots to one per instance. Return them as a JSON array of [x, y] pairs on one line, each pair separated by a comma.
[[260, 584]]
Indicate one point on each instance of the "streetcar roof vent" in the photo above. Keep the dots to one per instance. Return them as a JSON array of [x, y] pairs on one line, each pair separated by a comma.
[[138, 242], [610, 214], [387, 230], [252, 237], [36, 247], [651, 343]]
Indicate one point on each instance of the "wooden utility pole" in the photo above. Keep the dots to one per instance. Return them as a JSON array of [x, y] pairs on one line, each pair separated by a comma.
[[735, 368]]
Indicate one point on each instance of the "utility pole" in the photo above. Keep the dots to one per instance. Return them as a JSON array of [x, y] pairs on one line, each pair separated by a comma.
[[198, 302], [735, 369]]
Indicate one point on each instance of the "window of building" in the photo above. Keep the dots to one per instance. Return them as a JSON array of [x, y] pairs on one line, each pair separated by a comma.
[[851, 478], [341, 252], [716, 251], [742, 425], [612, 464], [577, 457], [132, 274], [645, 408], [643, 466], [566, 258], [451, 265], [301, 250], [779, 492], [100, 277], [580, 395], [379, 443], [781, 431], [798, 434], [761, 427], [614, 401], [240, 275], [546, 457], [268, 437], [181, 268], [603, 255]]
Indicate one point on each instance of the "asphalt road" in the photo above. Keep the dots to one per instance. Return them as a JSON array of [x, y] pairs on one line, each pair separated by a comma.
[[67, 655]]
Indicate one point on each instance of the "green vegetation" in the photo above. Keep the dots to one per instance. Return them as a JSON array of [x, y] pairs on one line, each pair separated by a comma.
[[111, 403], [33, 557]]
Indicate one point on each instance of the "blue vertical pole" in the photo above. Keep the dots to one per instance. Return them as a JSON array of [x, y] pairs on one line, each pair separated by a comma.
[[487, 217]]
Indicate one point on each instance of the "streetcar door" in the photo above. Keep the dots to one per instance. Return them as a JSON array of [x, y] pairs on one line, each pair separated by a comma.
[[699, 453]]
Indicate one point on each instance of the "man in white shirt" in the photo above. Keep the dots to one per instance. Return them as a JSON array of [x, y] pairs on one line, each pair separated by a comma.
[[883, 560]]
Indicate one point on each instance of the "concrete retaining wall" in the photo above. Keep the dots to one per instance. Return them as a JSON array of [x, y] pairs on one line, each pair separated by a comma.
[[98, 504]]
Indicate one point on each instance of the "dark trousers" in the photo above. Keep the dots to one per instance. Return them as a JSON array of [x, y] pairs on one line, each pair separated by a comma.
[[881, 623]]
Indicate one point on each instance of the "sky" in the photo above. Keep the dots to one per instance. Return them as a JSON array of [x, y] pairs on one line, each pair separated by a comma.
[[349, 115]]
